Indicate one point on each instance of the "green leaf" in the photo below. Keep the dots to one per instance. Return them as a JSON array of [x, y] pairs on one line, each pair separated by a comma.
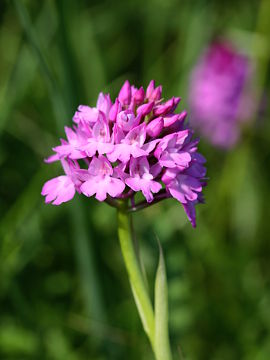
[[162, 344]]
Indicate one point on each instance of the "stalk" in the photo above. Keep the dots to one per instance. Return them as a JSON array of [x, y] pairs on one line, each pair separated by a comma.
[[137, 283], [155, 324]]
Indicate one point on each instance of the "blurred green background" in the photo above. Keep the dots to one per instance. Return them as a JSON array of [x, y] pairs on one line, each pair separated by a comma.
[[64, 292]]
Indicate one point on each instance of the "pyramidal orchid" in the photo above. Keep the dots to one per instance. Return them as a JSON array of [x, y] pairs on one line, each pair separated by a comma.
[[137, 132], [136, 144], [222, 94]]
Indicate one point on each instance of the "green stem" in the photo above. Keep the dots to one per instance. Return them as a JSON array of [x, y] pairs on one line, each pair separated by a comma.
[[135, 276]]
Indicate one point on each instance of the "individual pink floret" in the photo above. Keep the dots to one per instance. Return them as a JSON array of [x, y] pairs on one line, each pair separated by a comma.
[[131, 145], [170, 151], [99, 180], [62, 188], [141, 178], [100, 141]]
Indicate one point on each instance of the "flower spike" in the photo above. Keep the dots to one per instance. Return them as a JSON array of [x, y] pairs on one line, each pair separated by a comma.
[[136, 143]]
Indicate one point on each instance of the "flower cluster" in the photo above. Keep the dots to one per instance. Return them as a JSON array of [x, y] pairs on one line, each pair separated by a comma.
[[136, 143], [221, 95]]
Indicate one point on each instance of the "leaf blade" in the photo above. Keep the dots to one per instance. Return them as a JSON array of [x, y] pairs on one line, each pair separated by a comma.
[[162, 343]]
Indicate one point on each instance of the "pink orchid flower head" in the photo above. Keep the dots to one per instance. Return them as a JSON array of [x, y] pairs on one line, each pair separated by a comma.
[[136, 143]]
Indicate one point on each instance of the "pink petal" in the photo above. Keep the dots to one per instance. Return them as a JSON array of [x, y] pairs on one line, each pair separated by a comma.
[[115, 187], [134, 183], [90, 149], [182, 136], [58, 190], [156, 94], [135, 151], [150, 89], [177, 194], [102, 189], [181, 158], [150, 146], [149, 186], [166, 160], [101, 129], [89, 187], [169, 175], [155, 186], [118, 134], [156, 170], [139, 95], [155, 127], [137, 135], [170, 119], [147, 193], [103, 148], [189, 208], [52, 158], [145, 109], [104, 103], [126, 120], [114, 155], [119, 171], [86, 113], [125, 93], [71, 135], [100, 166], [115, 109]]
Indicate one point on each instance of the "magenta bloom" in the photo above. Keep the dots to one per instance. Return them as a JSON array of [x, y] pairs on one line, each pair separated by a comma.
[[138, 143], [220, 94]]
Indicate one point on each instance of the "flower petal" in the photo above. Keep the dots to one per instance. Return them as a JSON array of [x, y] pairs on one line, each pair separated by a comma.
[[115, 187], [58, 190]]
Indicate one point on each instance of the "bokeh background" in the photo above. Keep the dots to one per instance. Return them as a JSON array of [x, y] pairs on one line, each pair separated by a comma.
[[64, 292]]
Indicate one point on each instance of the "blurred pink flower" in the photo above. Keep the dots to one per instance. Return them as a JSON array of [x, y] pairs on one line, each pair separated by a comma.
[[220, 94]]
